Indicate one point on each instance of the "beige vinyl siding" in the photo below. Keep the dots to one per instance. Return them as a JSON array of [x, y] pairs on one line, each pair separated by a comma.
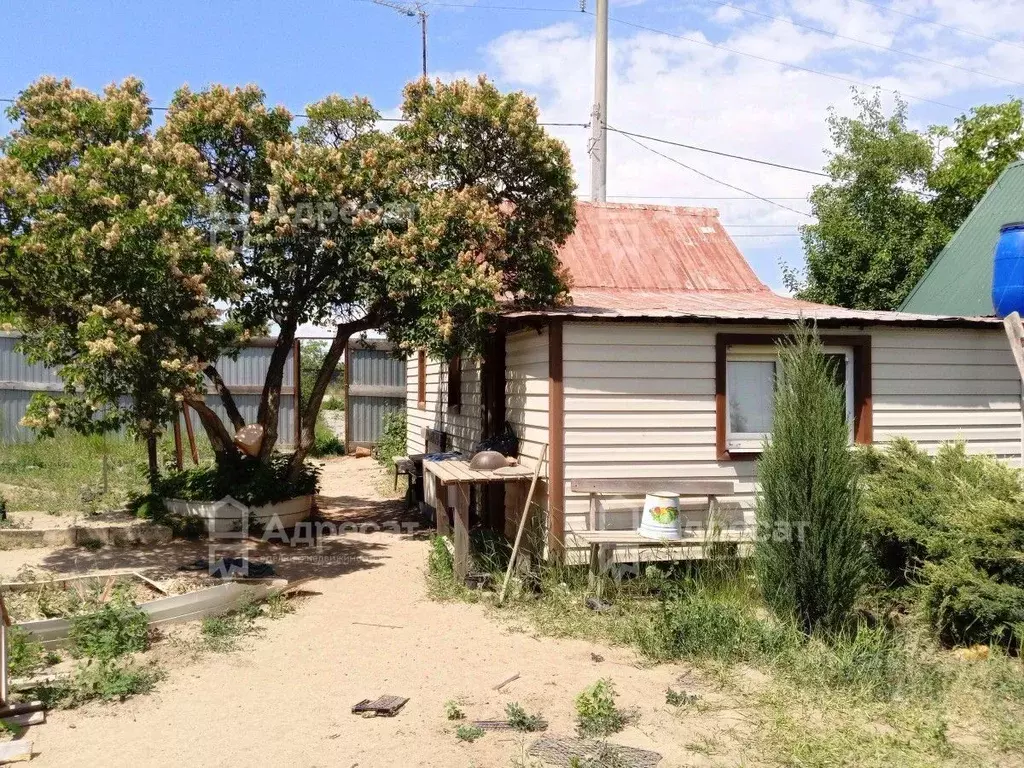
[[464, 426], [526, 406], [640, 402], [934, 386]]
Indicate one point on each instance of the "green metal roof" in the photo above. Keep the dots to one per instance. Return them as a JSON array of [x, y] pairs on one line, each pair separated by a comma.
[[959, 281]]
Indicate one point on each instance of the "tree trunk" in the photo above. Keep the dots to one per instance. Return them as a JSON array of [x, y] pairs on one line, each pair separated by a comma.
[[220, 439], [307, 433], [234, 415], [270, 401], [154, 463]]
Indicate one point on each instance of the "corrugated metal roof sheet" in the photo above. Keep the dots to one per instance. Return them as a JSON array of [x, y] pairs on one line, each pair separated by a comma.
[[733, 306], [959, 281], [630, 247], [658, 262]]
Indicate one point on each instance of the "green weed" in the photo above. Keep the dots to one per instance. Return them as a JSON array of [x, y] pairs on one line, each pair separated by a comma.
[[469, 733], [521, 721], [596, 712], [116, 629]]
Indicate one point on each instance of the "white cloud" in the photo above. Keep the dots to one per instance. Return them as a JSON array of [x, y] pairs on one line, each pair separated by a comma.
[[701, 95]]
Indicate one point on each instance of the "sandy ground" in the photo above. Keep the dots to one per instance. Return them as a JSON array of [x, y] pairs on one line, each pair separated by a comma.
[[284, 698]]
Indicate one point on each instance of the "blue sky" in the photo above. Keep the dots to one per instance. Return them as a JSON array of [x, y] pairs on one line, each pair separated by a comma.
[[660, 85]]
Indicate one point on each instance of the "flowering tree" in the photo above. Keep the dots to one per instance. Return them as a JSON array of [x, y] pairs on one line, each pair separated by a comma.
[[99, 262], [424, 232], [227, 219]]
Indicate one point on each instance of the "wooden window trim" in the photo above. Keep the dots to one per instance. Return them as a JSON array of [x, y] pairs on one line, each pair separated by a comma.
[[455, 384], [863, 432], [421, 380]]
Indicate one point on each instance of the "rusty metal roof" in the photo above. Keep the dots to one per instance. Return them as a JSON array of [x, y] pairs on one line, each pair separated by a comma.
[[652, 247], [675, 263]]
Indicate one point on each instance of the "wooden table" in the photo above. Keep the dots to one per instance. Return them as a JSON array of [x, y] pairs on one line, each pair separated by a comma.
[[456, 472]]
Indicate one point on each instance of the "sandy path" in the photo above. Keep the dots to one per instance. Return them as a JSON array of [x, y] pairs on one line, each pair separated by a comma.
[[284, 699]]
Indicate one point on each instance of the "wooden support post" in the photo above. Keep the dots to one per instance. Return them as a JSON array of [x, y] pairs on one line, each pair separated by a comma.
[[179, 461], [191, 434], [440, 506], [5, 622], [1015, 335], [461, 533]]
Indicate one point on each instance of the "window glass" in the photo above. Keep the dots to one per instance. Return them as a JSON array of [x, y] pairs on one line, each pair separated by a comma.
[[751, 376], [751, 388]]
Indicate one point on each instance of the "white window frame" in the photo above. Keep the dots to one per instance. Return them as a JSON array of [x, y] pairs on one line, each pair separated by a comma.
[[753, 442]]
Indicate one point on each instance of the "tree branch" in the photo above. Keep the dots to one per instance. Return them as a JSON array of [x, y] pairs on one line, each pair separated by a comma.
[[221, 440], [234, 415], [309, 415], [270, 400]]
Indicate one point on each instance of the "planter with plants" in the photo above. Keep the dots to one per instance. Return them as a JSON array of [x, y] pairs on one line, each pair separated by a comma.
[[248, 492]]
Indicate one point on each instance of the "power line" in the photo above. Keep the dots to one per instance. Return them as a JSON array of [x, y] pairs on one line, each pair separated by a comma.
[[734, 237], [710, 44], [880, 47], [699, 197], [712, 178], [719, 153], [951, 28], [796, 67]]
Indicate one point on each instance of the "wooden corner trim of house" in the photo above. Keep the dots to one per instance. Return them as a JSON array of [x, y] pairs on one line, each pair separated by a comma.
[[556, 437]]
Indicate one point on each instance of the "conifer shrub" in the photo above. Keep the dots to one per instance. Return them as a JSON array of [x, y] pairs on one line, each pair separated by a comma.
[[810, 557], [947, 536]]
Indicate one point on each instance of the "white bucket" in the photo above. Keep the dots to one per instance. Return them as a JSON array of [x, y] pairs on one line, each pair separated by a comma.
[[661, 517]]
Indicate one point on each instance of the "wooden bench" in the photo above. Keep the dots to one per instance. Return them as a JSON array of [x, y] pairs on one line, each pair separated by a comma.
[[692, 546]]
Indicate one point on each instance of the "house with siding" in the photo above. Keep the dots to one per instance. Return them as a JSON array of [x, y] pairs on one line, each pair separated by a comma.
[[663, 367]]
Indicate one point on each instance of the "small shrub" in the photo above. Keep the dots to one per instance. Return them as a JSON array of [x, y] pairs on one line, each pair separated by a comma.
[[469, 733], [440, 570], [453, 711], [676, 698], [106, 680], [24, 656], [810, 559], [946, 533], [116, 629], [596, 713], [702, 623], [249, 481], [333, 403], [520, 720], [3, 509], [325, 441], [393, 438]]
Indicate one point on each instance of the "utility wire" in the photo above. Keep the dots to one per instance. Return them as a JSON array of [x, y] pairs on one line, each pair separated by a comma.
[[719, 153], [950, 27], [693, 197], [880, 47], [712, 178]]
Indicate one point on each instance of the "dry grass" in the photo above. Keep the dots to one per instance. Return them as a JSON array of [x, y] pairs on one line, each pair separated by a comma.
[[879, 698]]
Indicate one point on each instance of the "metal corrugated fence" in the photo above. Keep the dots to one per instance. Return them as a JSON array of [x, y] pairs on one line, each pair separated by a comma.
[[20, 380], [375, 385]]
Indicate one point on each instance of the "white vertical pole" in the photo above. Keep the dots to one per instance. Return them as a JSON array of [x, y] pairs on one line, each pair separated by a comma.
[[599, 115]]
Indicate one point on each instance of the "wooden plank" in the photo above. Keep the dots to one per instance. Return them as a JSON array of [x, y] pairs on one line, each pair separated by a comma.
[[15, 751], [461, 537], [440, 506], [1015, 335], [654, 485], [693, 538]]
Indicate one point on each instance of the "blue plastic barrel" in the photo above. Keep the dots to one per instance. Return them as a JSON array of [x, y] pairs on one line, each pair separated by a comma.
[[1008, 271]]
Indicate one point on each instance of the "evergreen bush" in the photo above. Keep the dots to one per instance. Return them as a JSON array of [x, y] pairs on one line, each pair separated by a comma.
[[947, 534], [810, 556]]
